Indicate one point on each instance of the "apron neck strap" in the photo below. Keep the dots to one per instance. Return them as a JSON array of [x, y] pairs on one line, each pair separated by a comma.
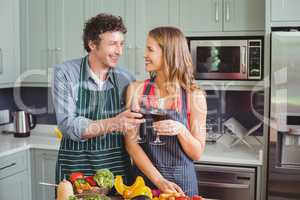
[[113, 79]]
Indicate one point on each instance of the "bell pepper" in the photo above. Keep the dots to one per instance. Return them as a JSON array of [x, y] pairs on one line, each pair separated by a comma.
[[76, 175], [82, 185], [140, 191], [90, 180], [138, 188]]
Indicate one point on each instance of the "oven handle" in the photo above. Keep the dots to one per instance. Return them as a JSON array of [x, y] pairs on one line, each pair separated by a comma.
[[223, 185]]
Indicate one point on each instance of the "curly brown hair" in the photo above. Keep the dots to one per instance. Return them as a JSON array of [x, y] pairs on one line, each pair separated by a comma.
[[99, 24]]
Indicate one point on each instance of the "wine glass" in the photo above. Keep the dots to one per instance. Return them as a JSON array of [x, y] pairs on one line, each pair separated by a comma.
[[136, 109], [154, 107]]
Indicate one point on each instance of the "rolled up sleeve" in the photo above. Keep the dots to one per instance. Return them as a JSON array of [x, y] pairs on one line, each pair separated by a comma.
[[64, 100]]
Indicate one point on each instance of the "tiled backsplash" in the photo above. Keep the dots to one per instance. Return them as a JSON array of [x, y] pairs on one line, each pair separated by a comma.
[[221, 105], [36, 100]]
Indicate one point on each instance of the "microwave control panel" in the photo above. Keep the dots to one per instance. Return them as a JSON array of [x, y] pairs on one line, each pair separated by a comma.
[[255, 59]]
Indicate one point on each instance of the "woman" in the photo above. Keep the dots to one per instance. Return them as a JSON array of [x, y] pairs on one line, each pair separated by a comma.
[[169, 167]]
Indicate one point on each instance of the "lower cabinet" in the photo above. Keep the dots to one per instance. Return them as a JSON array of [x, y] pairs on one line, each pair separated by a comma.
[[14, 177], [43, 170], [15, 187], [226, 182]]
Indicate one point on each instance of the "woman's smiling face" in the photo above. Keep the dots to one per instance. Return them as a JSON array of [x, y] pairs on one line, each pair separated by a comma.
[[153, 56]]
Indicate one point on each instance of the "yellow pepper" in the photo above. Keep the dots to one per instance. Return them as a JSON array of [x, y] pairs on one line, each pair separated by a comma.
[[137, 189]]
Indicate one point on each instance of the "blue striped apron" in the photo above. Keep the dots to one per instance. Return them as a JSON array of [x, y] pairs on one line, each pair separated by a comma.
[[170, 159], [106, 151]]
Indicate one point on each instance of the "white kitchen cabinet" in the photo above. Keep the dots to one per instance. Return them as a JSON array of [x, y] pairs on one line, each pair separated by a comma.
[[50, 33], [43, 165], [14, 177], [15, 187], [221, 15], [283, 10], [9, 42], [35, 42], [243, 15], [148, 15], [200, 16]]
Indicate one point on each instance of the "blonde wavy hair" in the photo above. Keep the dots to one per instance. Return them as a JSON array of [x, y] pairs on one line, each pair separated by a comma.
[[177, 60]]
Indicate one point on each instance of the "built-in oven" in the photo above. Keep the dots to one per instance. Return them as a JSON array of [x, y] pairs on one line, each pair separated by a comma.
[[227, 58], [226, 182]]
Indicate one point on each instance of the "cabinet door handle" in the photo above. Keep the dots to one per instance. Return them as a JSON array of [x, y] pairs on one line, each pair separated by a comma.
[[223, 185], [1, 61], [7, 166], [48, 57], [57, 55], [227, 11], [217, 11]]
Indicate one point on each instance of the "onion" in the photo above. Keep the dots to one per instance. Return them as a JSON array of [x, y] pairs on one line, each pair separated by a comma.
[[64, 190]]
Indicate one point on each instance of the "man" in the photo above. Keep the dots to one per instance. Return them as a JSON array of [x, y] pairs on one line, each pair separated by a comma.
[[88, 96]]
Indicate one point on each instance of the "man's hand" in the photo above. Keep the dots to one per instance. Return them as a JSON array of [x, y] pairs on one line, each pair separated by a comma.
[[127, 120]]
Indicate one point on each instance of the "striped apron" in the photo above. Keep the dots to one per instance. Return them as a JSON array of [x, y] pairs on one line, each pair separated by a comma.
[[106, 151], [170, 159]]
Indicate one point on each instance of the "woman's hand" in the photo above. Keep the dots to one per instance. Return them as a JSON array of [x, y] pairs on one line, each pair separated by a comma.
[[166, 186], [169, 127]]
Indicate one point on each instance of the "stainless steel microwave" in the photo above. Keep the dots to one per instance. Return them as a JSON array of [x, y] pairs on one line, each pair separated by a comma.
[[227, 58]]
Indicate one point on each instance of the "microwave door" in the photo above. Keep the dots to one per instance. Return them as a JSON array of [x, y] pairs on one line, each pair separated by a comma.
[[220, 60]]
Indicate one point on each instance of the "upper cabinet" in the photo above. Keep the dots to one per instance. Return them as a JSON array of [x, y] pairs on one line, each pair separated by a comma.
[[244, 15], [201, 16], [221, 15], [51, 30], [50, 33], [148, 15], [283, 10], [9, 42]]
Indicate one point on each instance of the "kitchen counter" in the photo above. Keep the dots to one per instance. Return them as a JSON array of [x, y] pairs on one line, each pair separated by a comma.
[[216, 153], [43, 137]]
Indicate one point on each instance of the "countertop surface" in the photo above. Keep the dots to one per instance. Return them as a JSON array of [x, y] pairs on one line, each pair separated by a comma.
[[43, 137]]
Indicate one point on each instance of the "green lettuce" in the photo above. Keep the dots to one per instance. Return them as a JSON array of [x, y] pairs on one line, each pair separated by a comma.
[[104, 178]]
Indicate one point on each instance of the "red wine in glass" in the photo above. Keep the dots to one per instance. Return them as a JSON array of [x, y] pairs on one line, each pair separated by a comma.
[[139, 139], [154, 107], [157, 115]]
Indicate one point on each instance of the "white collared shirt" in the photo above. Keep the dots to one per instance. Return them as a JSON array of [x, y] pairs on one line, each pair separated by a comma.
[[97, 80]]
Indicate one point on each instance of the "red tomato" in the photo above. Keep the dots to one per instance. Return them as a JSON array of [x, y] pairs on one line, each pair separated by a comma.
[[196, 197], [182, 198], [76, 175], [90, 180]]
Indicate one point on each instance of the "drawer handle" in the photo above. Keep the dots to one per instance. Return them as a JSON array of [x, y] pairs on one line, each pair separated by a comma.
[[7, 166], [223, 185]]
